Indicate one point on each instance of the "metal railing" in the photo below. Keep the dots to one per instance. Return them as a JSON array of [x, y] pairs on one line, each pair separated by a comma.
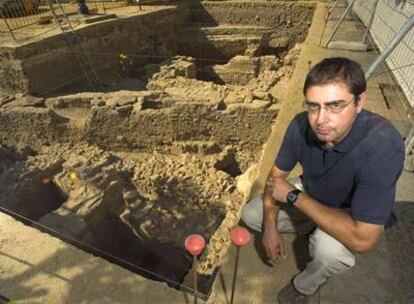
[[18, 14], [21, 13], [388, 18]]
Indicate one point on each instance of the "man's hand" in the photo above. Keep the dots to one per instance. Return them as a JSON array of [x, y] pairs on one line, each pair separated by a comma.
[[278, 188], [274, 244], [272, 239]]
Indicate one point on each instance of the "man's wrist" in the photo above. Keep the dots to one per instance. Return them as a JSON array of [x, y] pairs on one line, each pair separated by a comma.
[[270, 212], [270, 221]]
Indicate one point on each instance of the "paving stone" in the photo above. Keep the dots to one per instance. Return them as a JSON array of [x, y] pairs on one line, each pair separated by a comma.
[[384, 275]]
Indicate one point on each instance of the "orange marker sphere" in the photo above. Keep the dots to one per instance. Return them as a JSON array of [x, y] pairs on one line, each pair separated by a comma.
[[240, 236], [195, 244]]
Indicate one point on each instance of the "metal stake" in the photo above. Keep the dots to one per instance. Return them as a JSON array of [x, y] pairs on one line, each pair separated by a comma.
[[236, 265], [195, 278]]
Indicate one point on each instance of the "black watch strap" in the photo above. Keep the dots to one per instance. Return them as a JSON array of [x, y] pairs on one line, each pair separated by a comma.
[[292, 196]]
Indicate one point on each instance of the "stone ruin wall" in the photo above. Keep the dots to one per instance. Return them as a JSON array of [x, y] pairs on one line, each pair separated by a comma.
[[267, 14], [274, 26], [114, 125], [47, 67], [178, 109], [12, 78]]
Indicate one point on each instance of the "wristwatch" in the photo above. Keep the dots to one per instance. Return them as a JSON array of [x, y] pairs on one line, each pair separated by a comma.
[[292, 196]]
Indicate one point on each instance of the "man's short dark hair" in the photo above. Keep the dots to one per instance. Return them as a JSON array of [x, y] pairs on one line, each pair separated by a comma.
[[337, 70]]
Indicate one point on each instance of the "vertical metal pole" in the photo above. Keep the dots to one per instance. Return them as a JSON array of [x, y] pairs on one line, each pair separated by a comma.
[[371, 20], [195, 278], [390, 47], [348, 9], [236, 265]]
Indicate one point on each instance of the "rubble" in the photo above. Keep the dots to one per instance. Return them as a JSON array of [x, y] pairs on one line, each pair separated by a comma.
[[204, 136]]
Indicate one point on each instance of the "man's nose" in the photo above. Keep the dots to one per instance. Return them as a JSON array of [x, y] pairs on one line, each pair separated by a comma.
[[322, 117]]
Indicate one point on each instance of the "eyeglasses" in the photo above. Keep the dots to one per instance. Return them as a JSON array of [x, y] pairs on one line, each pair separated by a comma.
[[335, 106]]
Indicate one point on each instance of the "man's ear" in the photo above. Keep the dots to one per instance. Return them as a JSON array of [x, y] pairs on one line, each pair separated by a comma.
[[362, 99]]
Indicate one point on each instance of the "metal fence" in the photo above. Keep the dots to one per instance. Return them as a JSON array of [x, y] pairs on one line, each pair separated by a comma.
[[388, 18], [17, 14], [20, 13]]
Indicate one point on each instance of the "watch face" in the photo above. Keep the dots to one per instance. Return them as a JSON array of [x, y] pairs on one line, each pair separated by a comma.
[[291, 197]]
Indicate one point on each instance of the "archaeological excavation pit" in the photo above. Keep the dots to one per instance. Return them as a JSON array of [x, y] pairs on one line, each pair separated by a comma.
[[147, 146]]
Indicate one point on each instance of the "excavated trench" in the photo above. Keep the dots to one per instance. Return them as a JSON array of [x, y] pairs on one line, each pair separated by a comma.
[[129, 174]]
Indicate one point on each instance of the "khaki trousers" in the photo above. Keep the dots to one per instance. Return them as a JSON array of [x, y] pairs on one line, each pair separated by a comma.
[[329, 256]]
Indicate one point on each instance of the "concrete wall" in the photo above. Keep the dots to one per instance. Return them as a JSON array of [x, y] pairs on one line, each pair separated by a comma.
[[389, 17]]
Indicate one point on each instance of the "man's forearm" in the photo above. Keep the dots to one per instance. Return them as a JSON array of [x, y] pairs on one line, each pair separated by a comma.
[[336, 222], [356, 235], [270, 205], [270, 210]]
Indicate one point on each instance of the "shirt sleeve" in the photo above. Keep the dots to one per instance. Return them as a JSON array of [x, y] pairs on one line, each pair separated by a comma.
[[287, 156], [374, 192]]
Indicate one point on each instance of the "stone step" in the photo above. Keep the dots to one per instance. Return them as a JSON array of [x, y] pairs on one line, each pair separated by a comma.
[[224, 30], [97, 18]]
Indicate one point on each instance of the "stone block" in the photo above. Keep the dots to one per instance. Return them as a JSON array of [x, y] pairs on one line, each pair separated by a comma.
[[126, 100]]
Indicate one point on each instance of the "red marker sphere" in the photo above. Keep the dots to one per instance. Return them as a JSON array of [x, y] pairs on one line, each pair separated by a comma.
[[240, 236], [194, 244]]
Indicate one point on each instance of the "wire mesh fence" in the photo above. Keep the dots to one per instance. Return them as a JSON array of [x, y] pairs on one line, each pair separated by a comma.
[[388, 19]]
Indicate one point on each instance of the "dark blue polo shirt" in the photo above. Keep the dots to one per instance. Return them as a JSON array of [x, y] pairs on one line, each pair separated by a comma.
[[360, 173]]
